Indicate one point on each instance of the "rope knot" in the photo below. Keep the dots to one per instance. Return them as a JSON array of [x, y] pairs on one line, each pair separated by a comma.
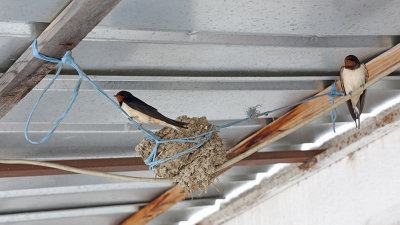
[[67, 58], [334, 91], [253, 112]]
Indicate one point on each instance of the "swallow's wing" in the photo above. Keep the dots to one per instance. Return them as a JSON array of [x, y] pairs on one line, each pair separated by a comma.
[[360, 103], [365, 72], [341, 79], [349, 105], [142, 107]]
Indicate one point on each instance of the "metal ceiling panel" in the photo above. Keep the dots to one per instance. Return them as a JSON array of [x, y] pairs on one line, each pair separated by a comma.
[[302, 17], [31, 11], [272, 17]]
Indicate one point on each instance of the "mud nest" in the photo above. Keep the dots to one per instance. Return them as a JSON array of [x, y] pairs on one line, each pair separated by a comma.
[[195, 169]]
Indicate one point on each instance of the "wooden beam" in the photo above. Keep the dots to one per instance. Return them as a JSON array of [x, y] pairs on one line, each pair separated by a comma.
[[102, 165], [177, 193], [157, 206], [67, 29], [137, 164], [379, 67]]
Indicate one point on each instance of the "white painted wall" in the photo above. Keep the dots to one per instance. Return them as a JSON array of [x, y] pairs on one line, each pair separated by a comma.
[[362, 188]]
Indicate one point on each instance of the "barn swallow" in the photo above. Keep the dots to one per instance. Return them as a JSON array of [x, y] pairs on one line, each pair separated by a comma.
[[354, 75], [144, 113]]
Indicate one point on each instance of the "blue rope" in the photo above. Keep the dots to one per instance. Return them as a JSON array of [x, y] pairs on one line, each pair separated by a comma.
[[76, 90], [67, 59], [331, 93], [151, 159]]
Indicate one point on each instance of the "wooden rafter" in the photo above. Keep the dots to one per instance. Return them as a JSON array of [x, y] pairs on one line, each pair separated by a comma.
[[303, 114], [102, 165], [137, 164], [64, 32], [157, 206]]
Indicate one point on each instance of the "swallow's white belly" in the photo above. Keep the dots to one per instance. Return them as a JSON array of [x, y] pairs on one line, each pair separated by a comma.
[[143, 118], [352, 80], [136, 115]]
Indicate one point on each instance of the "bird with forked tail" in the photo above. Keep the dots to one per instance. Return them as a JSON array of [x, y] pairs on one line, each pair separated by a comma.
[[354, 75], [144, 113]]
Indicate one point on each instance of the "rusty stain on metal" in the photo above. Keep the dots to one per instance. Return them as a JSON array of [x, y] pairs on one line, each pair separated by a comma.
[[308, 164]]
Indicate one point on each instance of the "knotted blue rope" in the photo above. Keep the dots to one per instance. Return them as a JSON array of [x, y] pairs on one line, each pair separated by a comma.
[[67, 59], [332, 93], [151, 160]]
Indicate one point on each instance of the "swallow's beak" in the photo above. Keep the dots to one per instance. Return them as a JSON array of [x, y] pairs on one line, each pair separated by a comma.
[[115, 95]]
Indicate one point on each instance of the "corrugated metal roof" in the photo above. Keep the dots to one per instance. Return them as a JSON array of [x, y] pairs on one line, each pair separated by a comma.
[[209, 58]]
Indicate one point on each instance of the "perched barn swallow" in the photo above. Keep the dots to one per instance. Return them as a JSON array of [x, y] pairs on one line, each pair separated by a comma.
[[354, 75], [144, 113]]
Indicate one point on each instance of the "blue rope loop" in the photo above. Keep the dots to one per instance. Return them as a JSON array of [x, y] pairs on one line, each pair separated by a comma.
[[151, 160], [67, 59]]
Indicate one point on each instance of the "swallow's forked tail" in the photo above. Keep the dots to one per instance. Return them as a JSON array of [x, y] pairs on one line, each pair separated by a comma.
[[356, 111], [357, 119], [175, 122]]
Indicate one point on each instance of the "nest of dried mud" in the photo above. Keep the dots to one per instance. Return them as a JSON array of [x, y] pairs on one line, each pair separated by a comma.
[[195, 169]]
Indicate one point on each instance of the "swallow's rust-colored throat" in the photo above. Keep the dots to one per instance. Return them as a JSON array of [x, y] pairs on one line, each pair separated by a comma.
[[349, 63], [119, 98]]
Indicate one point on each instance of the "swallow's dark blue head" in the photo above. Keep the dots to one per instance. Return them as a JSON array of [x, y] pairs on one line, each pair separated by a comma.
[[122, 94], [351, 62]]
